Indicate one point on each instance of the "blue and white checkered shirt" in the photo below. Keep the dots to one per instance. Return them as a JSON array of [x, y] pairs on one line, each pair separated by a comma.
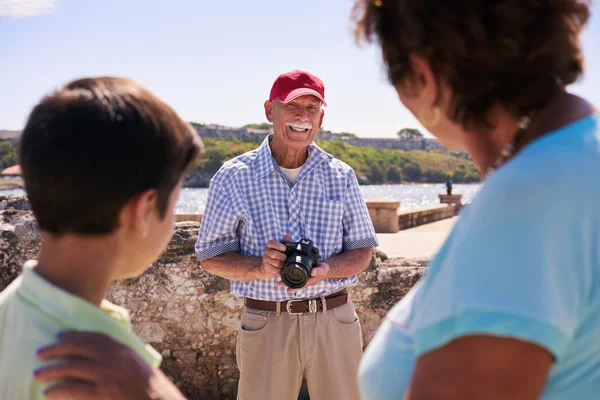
[[250, 201]]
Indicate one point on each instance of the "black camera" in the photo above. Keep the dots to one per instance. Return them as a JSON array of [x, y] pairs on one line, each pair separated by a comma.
[[302, 257]]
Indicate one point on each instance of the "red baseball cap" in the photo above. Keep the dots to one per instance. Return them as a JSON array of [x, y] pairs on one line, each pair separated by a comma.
[[291, 85]]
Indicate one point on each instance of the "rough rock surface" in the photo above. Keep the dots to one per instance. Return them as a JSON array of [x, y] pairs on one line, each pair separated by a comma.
[[188, 315], [14, 202]]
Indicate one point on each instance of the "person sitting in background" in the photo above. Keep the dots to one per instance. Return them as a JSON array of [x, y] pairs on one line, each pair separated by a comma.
[[510, 306], [102, 161]]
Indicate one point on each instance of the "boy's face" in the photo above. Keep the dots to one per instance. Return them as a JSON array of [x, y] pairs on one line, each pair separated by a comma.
[[146, 247]]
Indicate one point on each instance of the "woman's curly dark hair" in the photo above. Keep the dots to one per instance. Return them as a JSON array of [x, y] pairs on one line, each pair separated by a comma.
[[520, 53]]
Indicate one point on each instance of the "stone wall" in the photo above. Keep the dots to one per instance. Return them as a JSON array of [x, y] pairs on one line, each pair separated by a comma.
[[220, 131], [188, 315], [426, 215], [396, 143], [386, 215]]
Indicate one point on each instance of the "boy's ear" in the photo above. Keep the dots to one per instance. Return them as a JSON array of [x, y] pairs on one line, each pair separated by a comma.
[[138, 211]]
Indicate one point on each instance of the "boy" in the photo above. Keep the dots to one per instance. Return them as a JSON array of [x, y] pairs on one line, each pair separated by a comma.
[[102, 160]]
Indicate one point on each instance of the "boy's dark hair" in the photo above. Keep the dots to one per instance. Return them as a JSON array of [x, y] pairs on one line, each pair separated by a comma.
[[518, 53], [94, 144]]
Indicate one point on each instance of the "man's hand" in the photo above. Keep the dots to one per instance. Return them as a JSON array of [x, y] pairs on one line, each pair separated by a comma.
[[97, 367], [273, 259], [317, 275]]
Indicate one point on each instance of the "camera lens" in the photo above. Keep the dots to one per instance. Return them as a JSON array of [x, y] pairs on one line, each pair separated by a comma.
[[294, 275]]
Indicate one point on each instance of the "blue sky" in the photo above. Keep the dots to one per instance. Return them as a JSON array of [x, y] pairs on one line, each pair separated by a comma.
[[213, 61]]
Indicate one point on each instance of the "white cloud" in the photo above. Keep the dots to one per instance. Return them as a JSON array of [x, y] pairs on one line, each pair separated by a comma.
[[25, 8]]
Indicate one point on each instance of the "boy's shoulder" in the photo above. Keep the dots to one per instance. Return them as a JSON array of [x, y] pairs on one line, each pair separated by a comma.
[[23, 330]]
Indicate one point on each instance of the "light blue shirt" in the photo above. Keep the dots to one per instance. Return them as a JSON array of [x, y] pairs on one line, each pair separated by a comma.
[[523, 261], [251, 201]]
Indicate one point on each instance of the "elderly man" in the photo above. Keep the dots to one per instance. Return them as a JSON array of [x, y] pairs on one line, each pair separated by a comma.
[[289, 190]]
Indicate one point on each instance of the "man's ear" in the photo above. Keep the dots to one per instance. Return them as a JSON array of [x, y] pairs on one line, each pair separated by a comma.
[[321, 119], [138, 211], [269, 110]]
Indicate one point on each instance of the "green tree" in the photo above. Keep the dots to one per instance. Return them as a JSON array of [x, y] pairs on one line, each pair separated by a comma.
[[6, 147], [376, 175], [347, 135], [8, 154], [459, 175], [264, 125], [409, 134], [393, 174], [472, 176], [412, 172], [435, 175]]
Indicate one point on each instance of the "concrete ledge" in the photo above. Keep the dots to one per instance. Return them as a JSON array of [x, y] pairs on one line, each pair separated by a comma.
[[451, 199], [384, 215], [425, 215], [188, 217]]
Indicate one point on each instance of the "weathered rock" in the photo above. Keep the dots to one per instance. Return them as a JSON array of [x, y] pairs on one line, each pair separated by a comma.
[[188, 315], [19, 241], [14, 202]]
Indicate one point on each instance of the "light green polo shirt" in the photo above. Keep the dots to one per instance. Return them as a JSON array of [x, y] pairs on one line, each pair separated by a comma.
[[33, 312]]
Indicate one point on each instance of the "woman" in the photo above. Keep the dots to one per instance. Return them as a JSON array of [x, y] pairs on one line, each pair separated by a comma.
[[509, 308]]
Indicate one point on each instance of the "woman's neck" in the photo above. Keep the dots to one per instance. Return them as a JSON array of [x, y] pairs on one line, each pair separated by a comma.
[[486, 145], [562, 111]]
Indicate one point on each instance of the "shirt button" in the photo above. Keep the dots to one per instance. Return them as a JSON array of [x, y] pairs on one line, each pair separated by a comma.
[[294, 216]]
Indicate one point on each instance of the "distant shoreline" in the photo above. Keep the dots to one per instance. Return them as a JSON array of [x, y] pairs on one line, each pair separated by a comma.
[[6, 186], [10, 185], [370, 184]]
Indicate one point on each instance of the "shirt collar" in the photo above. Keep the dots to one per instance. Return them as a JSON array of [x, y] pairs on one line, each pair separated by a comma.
[[265, 163], [77, 314]]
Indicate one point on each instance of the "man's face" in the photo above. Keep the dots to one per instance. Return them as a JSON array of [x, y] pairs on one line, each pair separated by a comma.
[[296, 122]]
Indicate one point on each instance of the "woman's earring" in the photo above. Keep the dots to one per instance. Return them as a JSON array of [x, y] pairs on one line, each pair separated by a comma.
[[431, 123]]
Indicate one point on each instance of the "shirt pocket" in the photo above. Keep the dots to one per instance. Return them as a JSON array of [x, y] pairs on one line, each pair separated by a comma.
[[323, 225], [262, 226]]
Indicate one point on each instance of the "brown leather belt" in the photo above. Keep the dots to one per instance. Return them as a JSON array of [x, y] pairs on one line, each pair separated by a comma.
[[296, 307]]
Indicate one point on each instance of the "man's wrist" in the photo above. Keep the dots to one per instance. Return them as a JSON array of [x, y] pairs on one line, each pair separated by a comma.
[[328, 266], [254, 273]]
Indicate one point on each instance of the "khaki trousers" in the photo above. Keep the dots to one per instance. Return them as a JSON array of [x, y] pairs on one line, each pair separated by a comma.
[[275, 350]]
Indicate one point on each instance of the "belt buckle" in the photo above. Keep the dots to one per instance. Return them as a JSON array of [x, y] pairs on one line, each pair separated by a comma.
[[312, 306], [288, 307]]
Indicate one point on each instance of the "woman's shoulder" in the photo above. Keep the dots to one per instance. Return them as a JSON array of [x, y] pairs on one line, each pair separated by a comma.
[[572, 151], [560, 167]]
